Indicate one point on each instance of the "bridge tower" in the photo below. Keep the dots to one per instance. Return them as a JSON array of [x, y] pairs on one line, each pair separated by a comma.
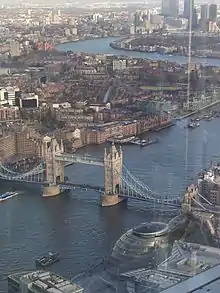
[[54, 169], [113, 164], [191, 192]]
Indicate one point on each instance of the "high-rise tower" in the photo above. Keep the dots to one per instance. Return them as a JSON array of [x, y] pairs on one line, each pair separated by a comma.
[[188, 5], [204, 17], [165, 7], [213, 12], [204, 12], [170, 7], [174, 8]]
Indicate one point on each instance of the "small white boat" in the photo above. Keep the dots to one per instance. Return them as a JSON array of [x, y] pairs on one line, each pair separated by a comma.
[[7, 195], [193, 125]]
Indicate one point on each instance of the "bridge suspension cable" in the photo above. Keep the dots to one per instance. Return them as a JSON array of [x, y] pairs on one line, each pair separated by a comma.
[[199, 203], [205, 199], [11, 175], [134, 188]]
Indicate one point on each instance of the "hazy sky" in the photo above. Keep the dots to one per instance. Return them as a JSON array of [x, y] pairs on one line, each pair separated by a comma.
[[50, 2]]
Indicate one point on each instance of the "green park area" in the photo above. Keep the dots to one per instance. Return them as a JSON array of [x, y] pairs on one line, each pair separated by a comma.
[[159, 88]]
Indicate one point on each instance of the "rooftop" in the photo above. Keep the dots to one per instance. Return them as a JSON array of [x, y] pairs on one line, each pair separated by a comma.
[[154, 280], [151, 229], [204, 282], [188, 269], [190, 259], [46, 282]]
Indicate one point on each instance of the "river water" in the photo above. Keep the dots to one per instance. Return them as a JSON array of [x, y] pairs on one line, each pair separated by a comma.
[[74, 224], [97, 46]]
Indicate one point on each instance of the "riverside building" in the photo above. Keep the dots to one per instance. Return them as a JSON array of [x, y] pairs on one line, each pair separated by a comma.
[[209, 185]]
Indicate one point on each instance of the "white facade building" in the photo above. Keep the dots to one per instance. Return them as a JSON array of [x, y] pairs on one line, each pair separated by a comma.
[[119, 65], [77, 133], [15, 49], [8, 95], [74, 31]]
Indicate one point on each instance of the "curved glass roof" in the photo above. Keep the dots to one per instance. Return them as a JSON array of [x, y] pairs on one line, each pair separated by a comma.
[[151, 229], [142, 246]]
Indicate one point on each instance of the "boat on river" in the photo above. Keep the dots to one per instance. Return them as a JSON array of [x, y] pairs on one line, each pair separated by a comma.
[[193, 125], [121, 140], [143, 142], [9, 194], [48, 259], [194, 120]]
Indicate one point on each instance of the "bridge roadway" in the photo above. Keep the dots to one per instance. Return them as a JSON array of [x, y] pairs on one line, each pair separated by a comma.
[[84, 159], [101, 189], [207, 209], [70, 186]]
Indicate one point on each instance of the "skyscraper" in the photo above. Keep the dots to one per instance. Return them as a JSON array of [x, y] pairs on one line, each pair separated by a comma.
[[170, 7], [137, 18], [165, 7], [174, 8], [194, 19], [188, 5], [204, 17], [213, 12], [205, 12], [15, 49]]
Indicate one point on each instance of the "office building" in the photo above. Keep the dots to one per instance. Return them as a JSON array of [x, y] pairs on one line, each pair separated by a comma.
[[165, 7], [119, 65], [15, 49], [9, 113], [28, 100], [132, 29], [194, 19], [205, 12], [174, 7], [8, 95], [74, 31], [213, 12], [170, 7], [209, 185], [41, 282], [188, 8], [137, 19], [204, 17]]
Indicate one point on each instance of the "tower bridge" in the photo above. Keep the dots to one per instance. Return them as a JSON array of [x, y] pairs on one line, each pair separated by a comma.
[[119, 182]]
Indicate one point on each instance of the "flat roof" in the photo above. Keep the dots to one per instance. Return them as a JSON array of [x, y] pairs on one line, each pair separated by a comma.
[[198, 283], [45, 281]]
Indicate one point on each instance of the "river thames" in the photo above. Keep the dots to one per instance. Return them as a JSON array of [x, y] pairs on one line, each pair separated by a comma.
[[75, 226], [97, 46]]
